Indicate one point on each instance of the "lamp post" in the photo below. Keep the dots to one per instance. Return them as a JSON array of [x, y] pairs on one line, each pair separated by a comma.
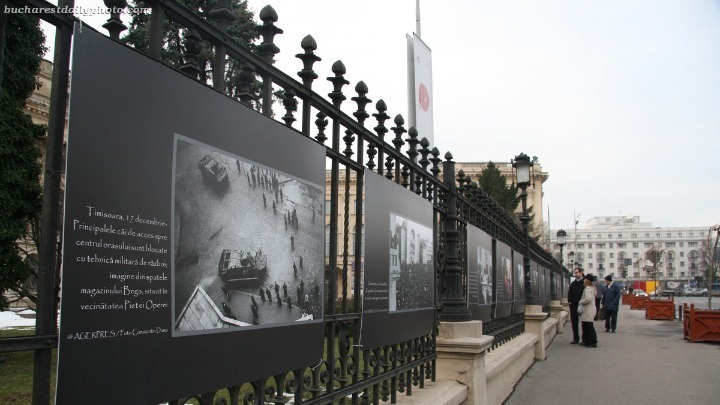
[[522, 166], [561, 234], [571, 262]]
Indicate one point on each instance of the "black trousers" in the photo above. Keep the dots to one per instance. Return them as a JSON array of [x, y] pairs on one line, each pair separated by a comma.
[[574, 321], [588, 333], [611, 319], [597, 309]]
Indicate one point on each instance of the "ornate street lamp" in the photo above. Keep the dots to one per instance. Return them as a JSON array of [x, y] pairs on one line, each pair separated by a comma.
[[522, 165], [571, 260], [561, 234]]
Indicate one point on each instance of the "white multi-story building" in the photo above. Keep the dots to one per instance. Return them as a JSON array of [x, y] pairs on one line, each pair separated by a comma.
[[612, 245]]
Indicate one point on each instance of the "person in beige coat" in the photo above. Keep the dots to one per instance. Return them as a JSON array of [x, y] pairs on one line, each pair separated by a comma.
[[589, 337]]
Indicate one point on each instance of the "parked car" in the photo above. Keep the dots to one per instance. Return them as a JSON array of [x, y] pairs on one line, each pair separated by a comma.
[[715, 290], [639, 293]]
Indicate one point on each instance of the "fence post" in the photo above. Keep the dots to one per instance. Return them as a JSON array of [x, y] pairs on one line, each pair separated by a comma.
[[46, 307], [454, 306]]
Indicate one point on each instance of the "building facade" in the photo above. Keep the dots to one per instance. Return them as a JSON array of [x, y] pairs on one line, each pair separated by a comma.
[[617, 246], [534, 191]]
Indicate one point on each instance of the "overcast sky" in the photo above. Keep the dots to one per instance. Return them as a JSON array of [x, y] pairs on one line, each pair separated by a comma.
[[618, 99]]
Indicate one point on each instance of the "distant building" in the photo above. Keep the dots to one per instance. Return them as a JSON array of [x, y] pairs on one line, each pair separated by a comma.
[[534, 191], [614, 244]]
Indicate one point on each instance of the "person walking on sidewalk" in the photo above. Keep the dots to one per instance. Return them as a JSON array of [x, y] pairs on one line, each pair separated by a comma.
[[589, 337], [575, 292], [611, 303]]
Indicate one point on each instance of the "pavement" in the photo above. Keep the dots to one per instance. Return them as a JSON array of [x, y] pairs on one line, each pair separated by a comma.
[[645, 362]]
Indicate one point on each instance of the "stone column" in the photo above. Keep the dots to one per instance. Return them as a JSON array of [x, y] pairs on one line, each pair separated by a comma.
[[461, 350], [556, 309], [534, 318]]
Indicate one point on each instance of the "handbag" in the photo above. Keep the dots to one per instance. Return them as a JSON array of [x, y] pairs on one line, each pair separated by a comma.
[[580, 309]]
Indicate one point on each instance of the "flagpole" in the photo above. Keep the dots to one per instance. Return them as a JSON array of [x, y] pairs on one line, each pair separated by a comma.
[[417, 18]]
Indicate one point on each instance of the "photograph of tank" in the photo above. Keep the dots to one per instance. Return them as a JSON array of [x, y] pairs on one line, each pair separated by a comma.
[[247, 242], [411, 265], [484, 268]]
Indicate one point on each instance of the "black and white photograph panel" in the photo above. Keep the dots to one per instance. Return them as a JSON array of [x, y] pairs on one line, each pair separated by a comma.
[[520, 279], [485, 261], [506, 272], [248, 242], [411, 265]]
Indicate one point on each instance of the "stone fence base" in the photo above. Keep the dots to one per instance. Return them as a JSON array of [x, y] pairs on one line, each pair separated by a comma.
[[468, 374]]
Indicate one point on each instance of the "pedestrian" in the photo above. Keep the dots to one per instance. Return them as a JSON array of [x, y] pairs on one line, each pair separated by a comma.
[[264, 201], [254, 303], [574, 294], [269, 294], [289, 302], [274, 208], [299, 294], [294, 269], [262, 294], [301, 262], [611, 303], [589, 337], [226, 293], [599, 287], [292, 242], [285, 290], [277, 290]]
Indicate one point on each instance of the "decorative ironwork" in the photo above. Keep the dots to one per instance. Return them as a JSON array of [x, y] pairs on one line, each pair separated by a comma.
[[347, 373]]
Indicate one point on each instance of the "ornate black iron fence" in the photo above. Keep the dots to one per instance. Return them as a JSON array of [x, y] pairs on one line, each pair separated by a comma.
[[347, 373]]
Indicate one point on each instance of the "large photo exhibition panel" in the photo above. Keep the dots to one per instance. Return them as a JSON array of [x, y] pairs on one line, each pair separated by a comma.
[[184, 210], [505, 280], [519, 274], [480, 273], [399, 293]]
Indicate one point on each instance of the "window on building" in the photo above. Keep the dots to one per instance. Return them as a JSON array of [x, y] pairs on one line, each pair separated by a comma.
[[363, 206], [609, 236], [682, 244], [692, 244], [612, 255], [679, 234], [633, 235], [668, 234], [692, 234], [619, 235], [590, 265], [600, 245], [669, 244], [636, 255], [647, 235], [327, 238], [702, 234], [657, 235], [589, 236], [682, 264], [590, 245], [589, 255], [362, 238], [612, 265], [635, 244], [682, 254], [581, 246], [597, 236], [682, 274], [648, 244], [622, 245], [610, 246]]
